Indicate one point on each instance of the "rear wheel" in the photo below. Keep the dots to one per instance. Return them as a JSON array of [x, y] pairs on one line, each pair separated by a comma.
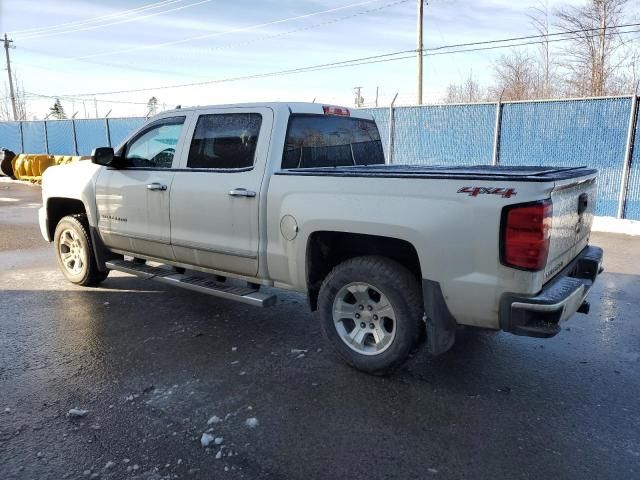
[[74, 251], [371, 313]]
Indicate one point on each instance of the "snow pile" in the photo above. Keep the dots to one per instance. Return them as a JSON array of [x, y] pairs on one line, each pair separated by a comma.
[[615, 225]]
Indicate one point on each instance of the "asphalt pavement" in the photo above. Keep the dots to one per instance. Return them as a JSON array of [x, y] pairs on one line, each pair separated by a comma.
[[155, 367]]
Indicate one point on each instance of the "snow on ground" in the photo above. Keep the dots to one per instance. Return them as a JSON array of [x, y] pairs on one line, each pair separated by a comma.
[[206, 439], [615, 225], [251, 422], [77, 412], [214, 419]]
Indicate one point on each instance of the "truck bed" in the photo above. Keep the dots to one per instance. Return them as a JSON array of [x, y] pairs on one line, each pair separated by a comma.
[[476, 172]]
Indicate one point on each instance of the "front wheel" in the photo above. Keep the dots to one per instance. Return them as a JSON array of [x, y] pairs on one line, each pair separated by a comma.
[[371, 313], [74, 252]]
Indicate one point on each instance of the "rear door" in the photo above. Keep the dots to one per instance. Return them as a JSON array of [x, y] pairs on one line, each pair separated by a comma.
[[215, 196], [133, 202]]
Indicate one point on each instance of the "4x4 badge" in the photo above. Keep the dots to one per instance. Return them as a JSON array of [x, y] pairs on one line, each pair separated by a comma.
[[475, 191]]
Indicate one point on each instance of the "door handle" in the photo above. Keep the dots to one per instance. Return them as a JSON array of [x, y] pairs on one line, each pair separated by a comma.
[[241, 192], [156, 186]]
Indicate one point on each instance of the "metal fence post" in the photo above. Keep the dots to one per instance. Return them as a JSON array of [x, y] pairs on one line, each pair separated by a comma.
[[106, 122], [628, 155], [392, 122], [46, 138], [495, 158], [21, 137], [75, 139]]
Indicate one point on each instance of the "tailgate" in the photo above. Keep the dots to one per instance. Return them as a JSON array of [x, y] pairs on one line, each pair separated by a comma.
[[573, 206]]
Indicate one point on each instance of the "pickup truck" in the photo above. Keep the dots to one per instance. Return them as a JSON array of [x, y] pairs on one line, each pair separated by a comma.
[[238, 201]]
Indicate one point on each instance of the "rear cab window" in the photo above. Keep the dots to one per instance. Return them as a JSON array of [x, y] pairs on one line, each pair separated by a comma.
[[331, 141]]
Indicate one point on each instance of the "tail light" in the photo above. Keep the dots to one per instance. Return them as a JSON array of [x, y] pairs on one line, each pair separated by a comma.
[[526, 229], [333, 110]]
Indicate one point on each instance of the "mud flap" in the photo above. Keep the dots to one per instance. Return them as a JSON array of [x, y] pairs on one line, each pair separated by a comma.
[[101, 253], [440, 324]]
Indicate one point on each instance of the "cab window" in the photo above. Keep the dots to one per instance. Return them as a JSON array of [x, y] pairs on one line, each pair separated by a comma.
[[226, 140], [155, 147]]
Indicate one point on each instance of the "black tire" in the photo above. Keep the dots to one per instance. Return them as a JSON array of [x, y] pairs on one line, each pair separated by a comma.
[[401, 289], [6, 157], [88, 274]]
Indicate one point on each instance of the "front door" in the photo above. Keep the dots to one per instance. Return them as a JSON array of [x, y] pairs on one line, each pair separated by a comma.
[[133, 201], [216, 195]]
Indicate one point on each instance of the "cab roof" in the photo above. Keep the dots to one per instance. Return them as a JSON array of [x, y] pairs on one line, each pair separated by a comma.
[[281, 108]]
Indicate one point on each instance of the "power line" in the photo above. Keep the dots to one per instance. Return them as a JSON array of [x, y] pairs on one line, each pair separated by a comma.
[[28, 31], [70, 98], [308, 27], [387, 57], [226, 32], [143, 69], [125, 20], [528, 37], [106, 64]]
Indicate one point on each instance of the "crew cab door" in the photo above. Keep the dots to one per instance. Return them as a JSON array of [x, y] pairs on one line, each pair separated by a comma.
[[215, 197], [133, 201]]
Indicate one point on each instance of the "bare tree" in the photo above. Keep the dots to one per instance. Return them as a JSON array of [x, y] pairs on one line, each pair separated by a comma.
[[540, 18], [152, 106], [515, 76], [467, 92], [6, 112], [591, 53]]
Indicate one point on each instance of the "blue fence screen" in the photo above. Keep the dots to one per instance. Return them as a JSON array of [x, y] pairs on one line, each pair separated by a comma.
[[575, 133], [60, 137], [632, 203], [591, 132], [91, 134], [10, 136], [120, 128], [34, 137]]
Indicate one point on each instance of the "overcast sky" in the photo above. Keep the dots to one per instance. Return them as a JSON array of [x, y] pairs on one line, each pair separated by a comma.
[[182, 41]]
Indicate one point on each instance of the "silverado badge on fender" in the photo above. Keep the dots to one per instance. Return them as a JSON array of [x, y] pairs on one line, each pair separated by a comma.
[[475, 191]]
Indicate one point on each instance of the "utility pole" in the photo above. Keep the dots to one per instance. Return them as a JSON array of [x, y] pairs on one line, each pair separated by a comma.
[[359, 99], [12, 94], [420, 48], [95, 104], [377, 97]]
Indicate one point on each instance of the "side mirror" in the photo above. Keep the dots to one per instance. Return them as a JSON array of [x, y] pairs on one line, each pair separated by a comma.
[[103, 156]]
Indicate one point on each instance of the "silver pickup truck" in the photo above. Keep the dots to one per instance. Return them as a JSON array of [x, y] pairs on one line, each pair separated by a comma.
[[229, 199]]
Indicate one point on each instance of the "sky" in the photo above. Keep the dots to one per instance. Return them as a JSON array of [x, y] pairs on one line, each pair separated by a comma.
[[69, 48]]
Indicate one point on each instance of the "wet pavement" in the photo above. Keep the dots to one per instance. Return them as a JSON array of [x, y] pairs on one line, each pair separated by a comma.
[[152, 364]]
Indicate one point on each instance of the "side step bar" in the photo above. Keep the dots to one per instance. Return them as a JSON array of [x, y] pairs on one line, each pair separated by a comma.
[[250, 296]]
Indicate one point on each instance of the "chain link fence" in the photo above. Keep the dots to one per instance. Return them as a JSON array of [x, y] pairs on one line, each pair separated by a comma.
[[597, 132], [66, 137]]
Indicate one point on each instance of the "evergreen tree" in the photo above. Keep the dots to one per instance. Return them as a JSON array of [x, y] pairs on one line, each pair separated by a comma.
[[57, 111]]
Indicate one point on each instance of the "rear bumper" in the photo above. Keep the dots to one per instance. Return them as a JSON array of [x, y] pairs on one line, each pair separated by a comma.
[[541, 315]]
